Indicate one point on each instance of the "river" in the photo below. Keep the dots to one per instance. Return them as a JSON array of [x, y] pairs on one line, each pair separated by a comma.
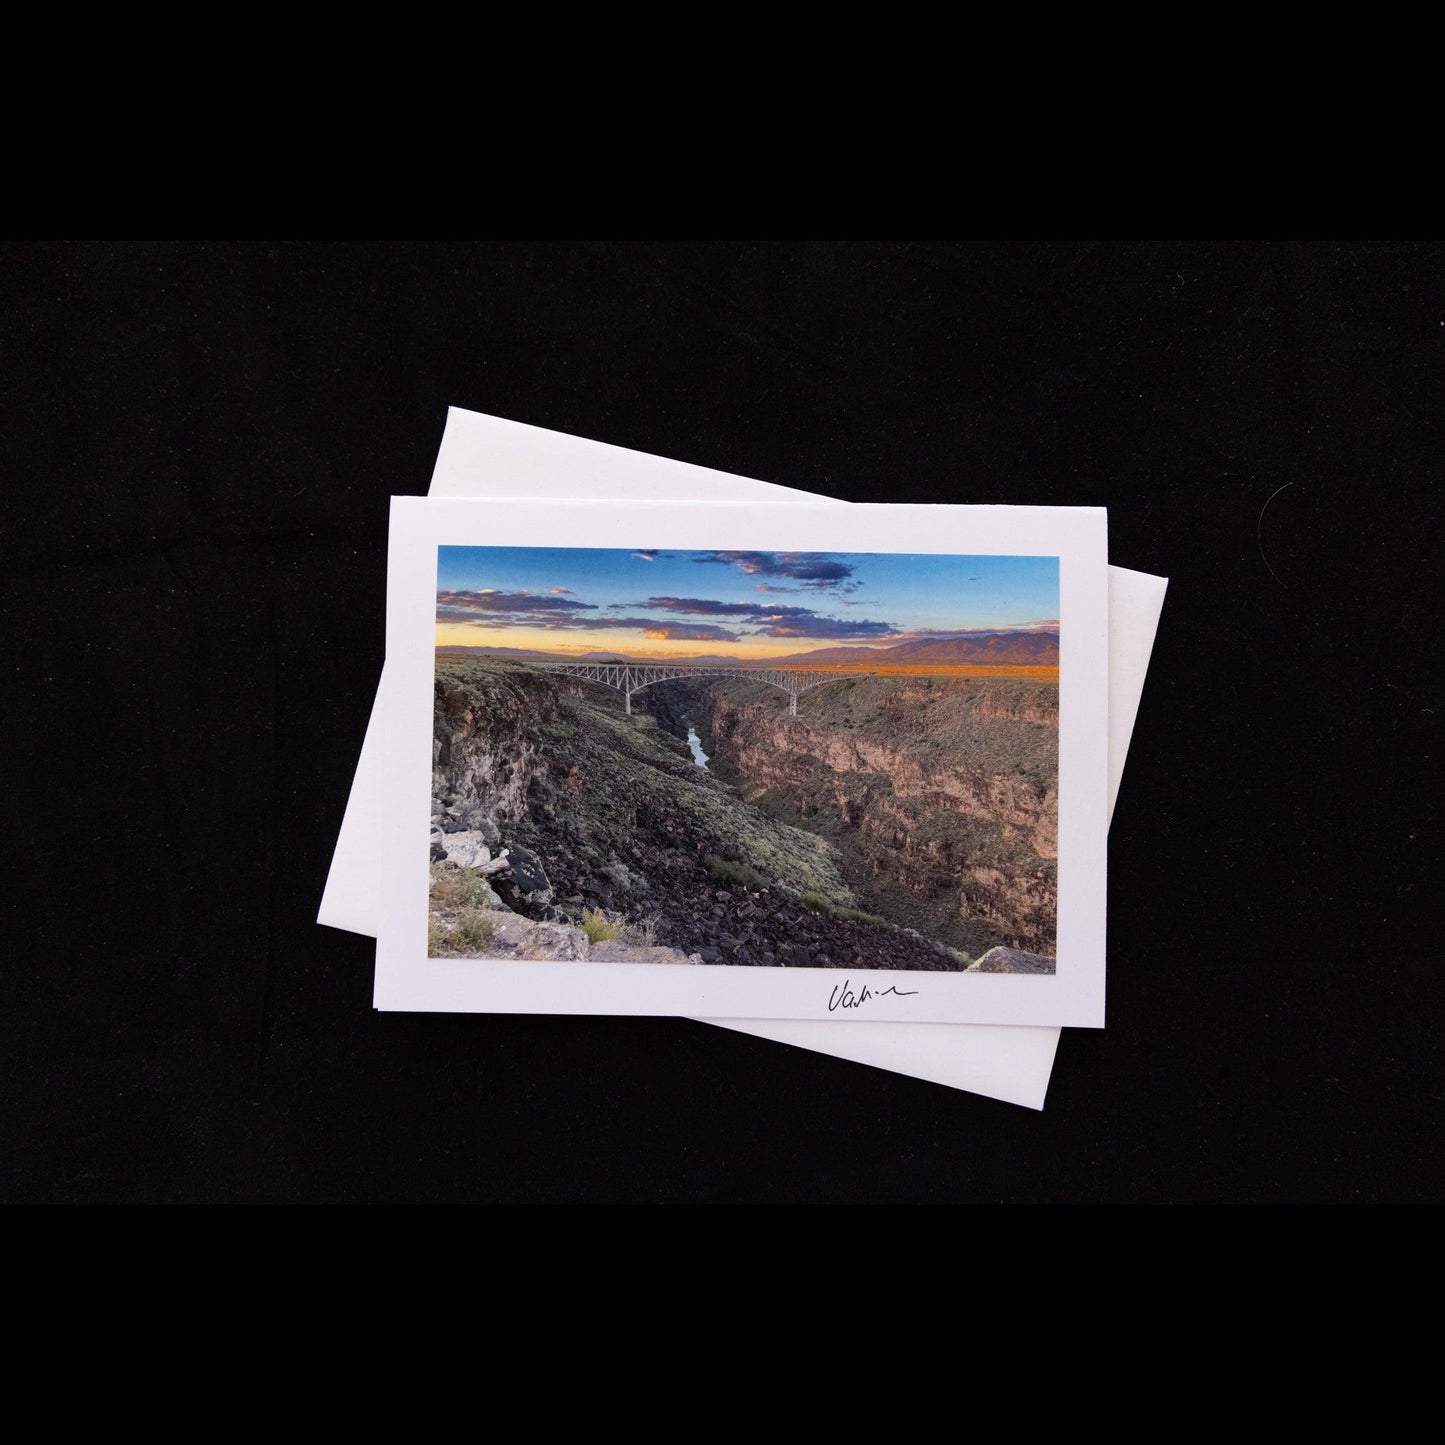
[[695, 743]]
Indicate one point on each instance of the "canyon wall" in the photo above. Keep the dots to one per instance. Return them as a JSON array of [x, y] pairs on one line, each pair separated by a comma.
[[940, 792], [486, 732], [612, 822]]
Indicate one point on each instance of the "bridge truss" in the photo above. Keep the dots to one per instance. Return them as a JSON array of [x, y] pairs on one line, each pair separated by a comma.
[[631, 677]]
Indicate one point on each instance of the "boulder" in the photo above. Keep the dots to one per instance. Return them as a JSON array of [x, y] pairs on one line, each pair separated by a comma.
[[528, 873], [1011, 960], [478, 821], [466, 848]]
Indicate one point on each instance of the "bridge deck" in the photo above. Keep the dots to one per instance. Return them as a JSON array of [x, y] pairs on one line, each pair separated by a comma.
[[630, 677]]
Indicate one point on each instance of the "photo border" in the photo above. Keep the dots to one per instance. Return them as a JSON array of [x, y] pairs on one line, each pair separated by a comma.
[[406, 979]]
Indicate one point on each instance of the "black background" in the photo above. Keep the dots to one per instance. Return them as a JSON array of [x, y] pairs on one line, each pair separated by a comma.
[[199, 441]]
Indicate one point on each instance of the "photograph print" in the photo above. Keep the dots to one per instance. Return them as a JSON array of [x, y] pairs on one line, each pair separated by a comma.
[[746, 759]]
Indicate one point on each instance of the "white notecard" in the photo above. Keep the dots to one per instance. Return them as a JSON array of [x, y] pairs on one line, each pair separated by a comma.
[[489, 456]]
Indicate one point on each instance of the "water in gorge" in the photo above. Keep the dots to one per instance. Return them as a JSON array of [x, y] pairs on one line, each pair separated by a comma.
[[695, 743]]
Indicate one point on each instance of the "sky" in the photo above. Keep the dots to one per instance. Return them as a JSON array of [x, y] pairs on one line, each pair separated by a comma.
[[651, 603]]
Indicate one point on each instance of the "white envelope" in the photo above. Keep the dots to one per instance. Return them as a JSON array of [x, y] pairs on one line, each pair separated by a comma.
[[488, 456]]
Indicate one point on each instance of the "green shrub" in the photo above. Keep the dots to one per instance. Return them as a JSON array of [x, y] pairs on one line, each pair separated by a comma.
[[453, 887], [857, 915], [725, 870], [599, 927], [816, 902], [473, 935], [476, 931]]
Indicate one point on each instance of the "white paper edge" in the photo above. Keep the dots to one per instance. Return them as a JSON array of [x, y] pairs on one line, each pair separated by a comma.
[[483, 455], [1072, 994]]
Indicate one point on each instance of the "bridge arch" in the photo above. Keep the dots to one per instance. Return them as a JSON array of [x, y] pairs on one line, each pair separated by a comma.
[[630, 677]]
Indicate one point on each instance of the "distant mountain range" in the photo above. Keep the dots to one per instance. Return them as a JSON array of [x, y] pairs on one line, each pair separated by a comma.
[[1001, 649], [1027, 649], [521, 653], [527, 654]]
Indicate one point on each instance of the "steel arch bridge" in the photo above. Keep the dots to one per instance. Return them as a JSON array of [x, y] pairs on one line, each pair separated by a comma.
[[631, 677]]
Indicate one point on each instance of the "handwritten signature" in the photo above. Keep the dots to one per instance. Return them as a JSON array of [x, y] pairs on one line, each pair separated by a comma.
[[844, 997]]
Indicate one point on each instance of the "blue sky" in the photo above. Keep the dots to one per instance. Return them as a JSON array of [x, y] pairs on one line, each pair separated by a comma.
[[744, 604]]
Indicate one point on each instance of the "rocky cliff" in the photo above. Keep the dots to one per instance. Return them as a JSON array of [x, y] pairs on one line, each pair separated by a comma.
[[486, 727], [609, 826], [941, 793]]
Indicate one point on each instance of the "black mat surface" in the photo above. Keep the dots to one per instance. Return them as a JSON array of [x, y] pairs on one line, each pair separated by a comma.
[[199, 441]]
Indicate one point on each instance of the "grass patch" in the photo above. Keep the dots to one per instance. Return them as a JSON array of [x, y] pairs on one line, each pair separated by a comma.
[[599, 927], [453, 887], [817, 903], [602, 927], [473, 935], [643, 933], [857, 915], [725, 870]]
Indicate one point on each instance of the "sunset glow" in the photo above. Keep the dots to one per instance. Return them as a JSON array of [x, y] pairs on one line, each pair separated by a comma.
[[647, 603]]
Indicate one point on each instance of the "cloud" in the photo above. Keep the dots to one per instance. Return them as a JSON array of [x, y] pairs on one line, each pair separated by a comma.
[[556, 610], [489, 599], [773, 619], [692, 632], [548, 621], [764, 587], [648, 554], [812, 569], [706, 607], [539, 617], [643, 622], [838, 628]]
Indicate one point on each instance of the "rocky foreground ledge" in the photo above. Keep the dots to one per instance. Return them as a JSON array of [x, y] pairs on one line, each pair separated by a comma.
[[513, 936], [1012, 960]]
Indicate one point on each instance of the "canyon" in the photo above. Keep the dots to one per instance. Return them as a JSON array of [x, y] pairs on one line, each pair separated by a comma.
[[895, 822], [940, 793]]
